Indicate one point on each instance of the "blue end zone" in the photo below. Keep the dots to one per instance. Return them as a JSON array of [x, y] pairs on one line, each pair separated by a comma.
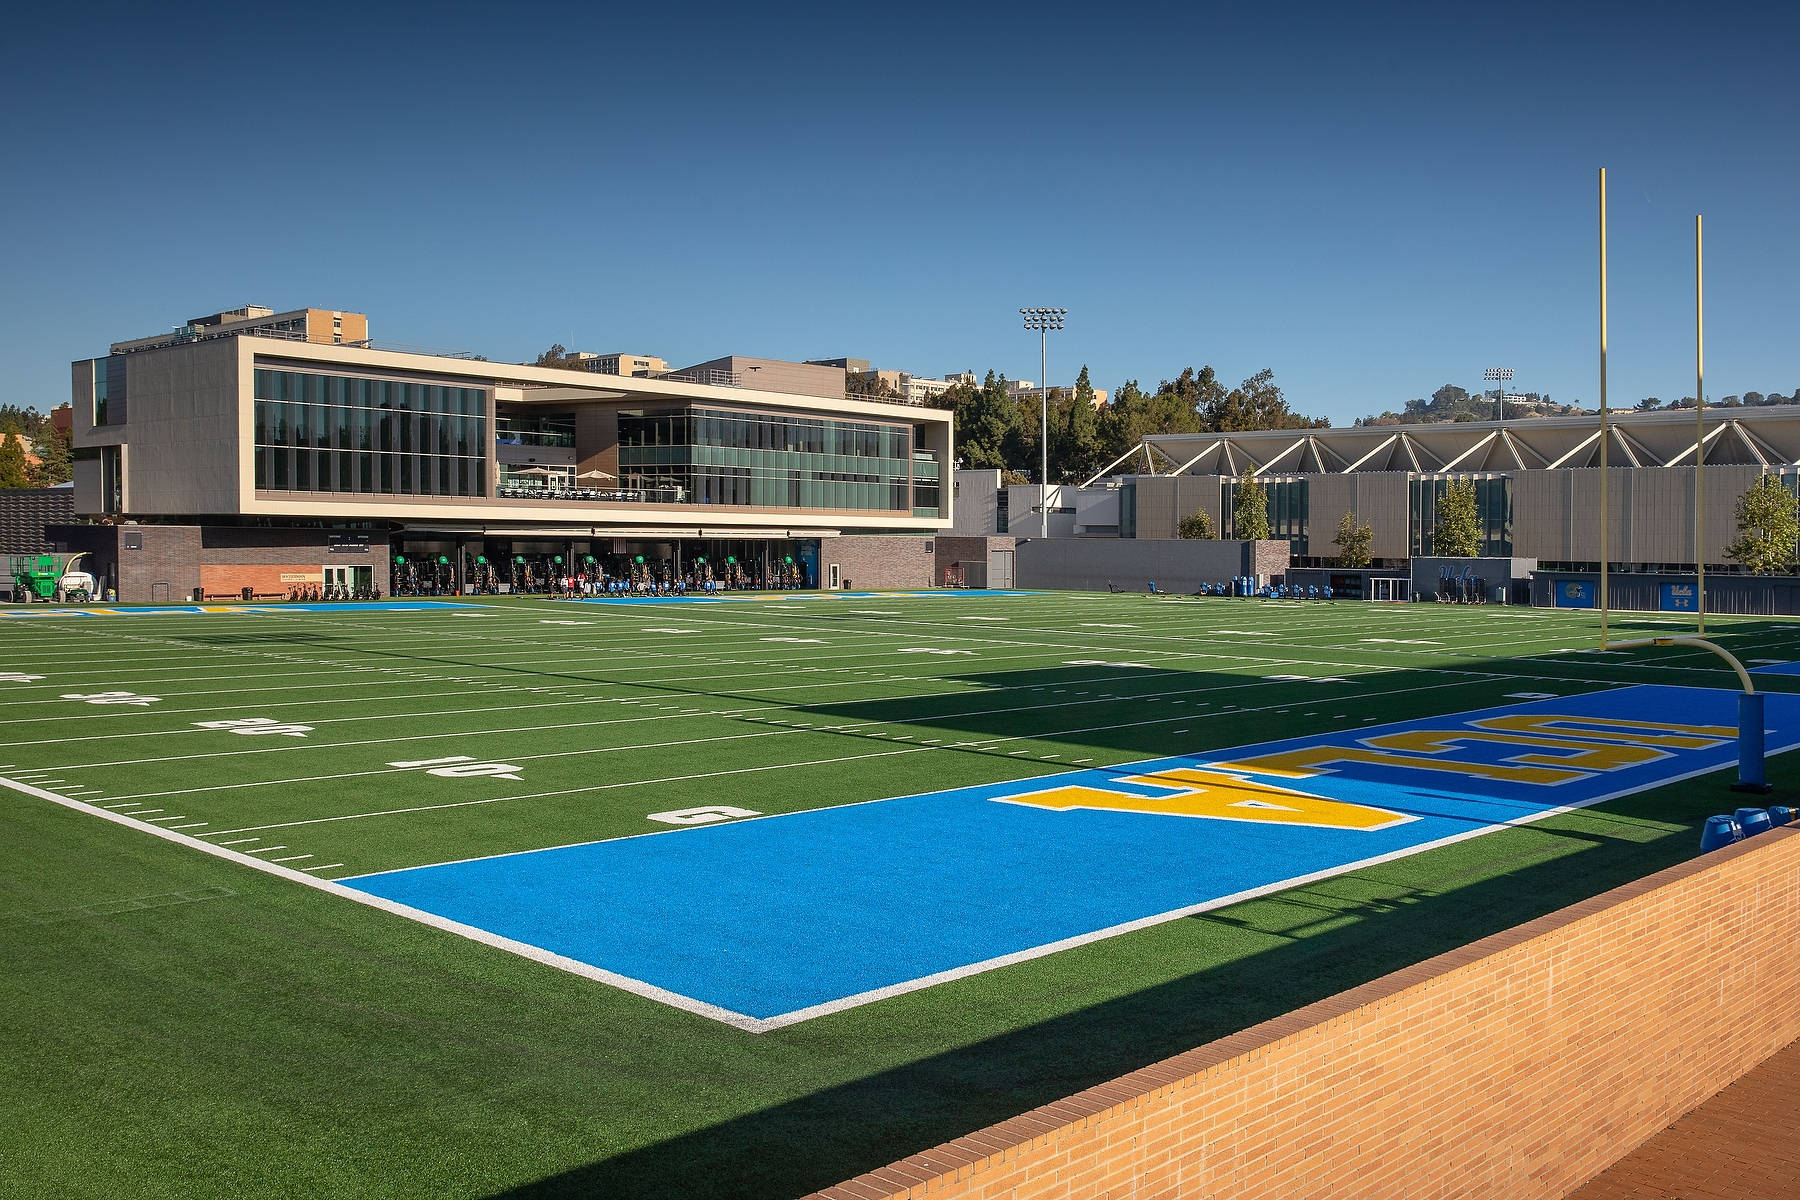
[[1787, 668], [163, 610], [787, 917]]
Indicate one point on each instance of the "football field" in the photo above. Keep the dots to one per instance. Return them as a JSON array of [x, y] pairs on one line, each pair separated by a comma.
[[748, 895]]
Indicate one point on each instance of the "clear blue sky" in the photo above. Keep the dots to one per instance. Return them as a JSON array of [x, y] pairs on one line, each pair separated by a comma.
[[1372, 203]]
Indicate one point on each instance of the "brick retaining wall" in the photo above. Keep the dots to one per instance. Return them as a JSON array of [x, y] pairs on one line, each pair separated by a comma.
[[878, 560], [1518, 1066]]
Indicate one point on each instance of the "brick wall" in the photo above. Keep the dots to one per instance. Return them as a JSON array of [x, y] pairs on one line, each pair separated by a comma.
[[1517, 1066], [167, 563], [262, 579], [878, 561]]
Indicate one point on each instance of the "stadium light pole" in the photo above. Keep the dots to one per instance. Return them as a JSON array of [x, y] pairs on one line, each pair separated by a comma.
[[1502, 376], [1699, 435], [1605, 482], [1044, 320]]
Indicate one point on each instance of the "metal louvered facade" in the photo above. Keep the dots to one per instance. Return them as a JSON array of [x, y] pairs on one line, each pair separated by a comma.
[[1538, 479]]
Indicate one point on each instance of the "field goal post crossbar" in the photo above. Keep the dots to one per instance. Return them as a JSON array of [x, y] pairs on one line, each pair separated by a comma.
[[1751, 703]]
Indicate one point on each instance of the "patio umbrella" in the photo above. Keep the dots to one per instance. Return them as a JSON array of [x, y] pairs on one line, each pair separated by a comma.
[[596, 473]]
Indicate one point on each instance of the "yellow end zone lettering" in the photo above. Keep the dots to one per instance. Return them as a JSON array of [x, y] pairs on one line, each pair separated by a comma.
[[1555, 749], [1219, 796]]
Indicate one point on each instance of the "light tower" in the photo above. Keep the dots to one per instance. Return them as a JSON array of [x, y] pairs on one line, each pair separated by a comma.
[[1044, 320], [1502, 376]]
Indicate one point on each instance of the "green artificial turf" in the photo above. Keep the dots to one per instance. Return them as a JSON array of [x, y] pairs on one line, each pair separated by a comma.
[[178, 1025]]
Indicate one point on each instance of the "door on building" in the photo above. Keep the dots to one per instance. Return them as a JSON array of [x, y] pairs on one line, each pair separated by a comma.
[[1000, 569], [834, 577], [1390, 589], [350, 580]]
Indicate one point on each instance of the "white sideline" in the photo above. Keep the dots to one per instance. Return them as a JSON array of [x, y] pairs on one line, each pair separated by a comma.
[[534, 953]]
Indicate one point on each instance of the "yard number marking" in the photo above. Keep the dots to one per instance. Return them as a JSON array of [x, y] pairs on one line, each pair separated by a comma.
[[461, 766], [703, 816], [255, 725], [930, 650], [112, 698], [554, 622], [797, 641], [18, 677], [667, 629]]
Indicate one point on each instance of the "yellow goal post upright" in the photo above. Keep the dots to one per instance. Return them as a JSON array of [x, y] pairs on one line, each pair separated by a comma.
[[1752, 776]]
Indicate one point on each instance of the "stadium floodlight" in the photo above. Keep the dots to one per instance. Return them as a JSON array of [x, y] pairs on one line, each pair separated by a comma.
[[1043, 320], [1502, 376]]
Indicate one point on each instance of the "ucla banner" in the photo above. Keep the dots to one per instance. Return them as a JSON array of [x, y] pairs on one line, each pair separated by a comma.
[[1680, 597], [773, 920]]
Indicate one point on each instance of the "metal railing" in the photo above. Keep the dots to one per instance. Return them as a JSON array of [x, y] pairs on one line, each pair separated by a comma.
[[709, 377], [526, 437], [563, 495]]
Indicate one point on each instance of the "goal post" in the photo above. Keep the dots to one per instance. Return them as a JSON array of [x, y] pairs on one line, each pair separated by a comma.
[[1752, 775]]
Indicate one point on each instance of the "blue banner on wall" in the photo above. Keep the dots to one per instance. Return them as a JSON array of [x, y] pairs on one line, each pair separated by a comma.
[[1574, 594], [1680, 597]]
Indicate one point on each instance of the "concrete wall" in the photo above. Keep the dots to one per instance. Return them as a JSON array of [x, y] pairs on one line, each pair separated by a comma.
[[877, 561], [1519, 1066], [181, 435], [1089, 564], [976, 495], [1023, 497]]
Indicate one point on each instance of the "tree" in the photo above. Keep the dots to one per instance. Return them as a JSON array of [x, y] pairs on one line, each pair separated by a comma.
[[858, 386], [1767, 528], [1198, 527], [1648, 404], [55, 458], [1354, 542], [12, 462], [1457, 533], [1081, 451], [1256, 403], [1249, 510], [985, 417], [556, 356], [14, 419]]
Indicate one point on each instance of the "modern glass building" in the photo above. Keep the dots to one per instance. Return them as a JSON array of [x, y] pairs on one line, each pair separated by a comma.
[[435, 456]]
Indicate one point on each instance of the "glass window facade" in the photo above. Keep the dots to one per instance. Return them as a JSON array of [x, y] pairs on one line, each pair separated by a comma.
[[1289, 510], [109, 390], [928, 486], [339, 433], [1493, 511], [767, 460]]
